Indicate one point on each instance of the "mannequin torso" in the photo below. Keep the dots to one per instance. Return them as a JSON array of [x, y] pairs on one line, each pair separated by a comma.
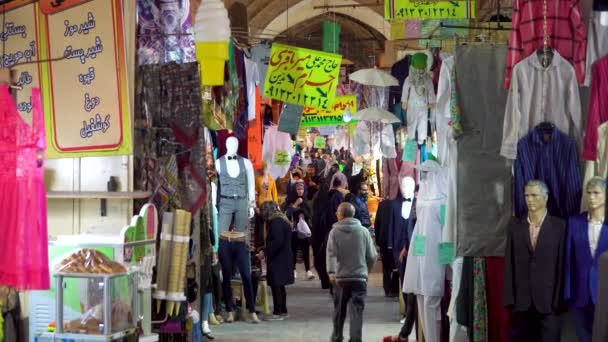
[[233, 170], [407, 191]]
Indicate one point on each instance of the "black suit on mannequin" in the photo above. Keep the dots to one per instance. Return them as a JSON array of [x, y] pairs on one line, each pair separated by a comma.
[[534, 279]]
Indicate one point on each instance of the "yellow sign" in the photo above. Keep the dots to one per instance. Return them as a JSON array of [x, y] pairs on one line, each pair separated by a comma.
[[429, 9], [330, 117], [86, 103], [301, 76]]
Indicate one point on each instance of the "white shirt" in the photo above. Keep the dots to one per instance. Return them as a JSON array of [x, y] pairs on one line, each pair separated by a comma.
[[253, 80], [540, 94], [594, 236]]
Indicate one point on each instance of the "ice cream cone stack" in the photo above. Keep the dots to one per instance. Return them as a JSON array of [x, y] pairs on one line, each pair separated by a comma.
[[211, 35]]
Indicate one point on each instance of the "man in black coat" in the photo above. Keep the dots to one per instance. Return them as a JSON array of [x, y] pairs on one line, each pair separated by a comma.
[[534, 263]]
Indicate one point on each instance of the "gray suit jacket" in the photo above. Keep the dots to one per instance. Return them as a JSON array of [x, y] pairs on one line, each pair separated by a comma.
[[600, 326]]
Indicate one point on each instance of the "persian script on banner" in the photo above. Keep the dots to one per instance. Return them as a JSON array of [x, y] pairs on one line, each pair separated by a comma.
[[429, 9], [330, 117], [301, 76]]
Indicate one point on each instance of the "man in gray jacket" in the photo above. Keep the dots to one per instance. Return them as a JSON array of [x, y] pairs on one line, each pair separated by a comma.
[[350, 255]]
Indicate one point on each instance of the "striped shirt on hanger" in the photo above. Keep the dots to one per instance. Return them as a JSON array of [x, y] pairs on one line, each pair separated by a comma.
[[554, 162]]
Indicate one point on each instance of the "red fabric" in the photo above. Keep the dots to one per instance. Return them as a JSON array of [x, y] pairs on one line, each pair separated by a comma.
[[498, 317], [24, 264], [565, 29], [254, 134], [598, 107]]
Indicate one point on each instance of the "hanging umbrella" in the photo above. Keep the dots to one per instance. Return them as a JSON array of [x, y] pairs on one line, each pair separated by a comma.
[[374, 77], [375, 114]]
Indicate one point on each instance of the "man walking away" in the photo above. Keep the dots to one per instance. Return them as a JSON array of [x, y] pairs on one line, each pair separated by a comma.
[[350, 256]]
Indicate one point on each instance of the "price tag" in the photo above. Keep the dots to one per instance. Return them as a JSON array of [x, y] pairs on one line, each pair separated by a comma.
[[447, 253], [442, 213], [281, 158], [419, 245], [409, 151]]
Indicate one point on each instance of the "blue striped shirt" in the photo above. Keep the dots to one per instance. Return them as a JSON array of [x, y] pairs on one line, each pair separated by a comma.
[[556, 164]]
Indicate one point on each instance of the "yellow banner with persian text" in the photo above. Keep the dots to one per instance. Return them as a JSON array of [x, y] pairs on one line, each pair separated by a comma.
[[333, 116], [302, 76], [429, 9]]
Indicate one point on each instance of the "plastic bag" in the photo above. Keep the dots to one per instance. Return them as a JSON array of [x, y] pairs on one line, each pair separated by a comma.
[[303, 229], [89, 261]]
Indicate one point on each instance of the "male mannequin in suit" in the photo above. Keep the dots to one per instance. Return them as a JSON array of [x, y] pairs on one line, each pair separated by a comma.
[[534, 269], [586, 240]]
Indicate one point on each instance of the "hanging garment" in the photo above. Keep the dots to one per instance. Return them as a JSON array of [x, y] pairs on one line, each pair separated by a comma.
[[164, 32], [400, 70], [423, 274], [484, 186], [390, 178], [25, 264], [458, 333], [555, 163], [539, 94], [419, 98], [565, 29], [498, 316], [471, 308], [275, 141], [597, 43], [261, 56], [444, 110], [252, 77], [374, 140], [598, 108]]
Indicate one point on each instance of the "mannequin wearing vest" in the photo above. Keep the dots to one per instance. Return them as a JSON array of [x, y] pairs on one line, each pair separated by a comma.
[[236, 207]]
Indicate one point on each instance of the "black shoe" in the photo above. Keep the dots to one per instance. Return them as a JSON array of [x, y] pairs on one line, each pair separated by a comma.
[[208, 336]]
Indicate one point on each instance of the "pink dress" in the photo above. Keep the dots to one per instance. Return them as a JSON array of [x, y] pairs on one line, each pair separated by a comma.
[[23, 215]]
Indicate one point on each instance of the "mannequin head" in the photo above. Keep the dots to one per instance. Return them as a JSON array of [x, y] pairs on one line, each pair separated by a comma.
[[596, 193], [407, 187], [537, 195], [232, 145]]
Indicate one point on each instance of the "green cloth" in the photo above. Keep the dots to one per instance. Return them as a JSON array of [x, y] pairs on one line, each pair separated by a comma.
[[419, 60], [331, 36]]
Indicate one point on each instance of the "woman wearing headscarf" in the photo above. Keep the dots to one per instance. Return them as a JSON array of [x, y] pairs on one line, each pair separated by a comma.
[[278, 257], [296, 208]]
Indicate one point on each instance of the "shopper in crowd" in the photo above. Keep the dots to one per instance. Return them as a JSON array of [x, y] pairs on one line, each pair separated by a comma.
[[343, 179], [297, 209], [351, 255], [278, 256], [265, 190], [312, 181], [358, 199], [318, 162], [335, 198]]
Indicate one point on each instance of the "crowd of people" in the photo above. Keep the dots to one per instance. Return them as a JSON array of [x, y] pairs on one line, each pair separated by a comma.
[[322, 210]]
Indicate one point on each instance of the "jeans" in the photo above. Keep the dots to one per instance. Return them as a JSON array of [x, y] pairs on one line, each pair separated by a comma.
[[351, 293], [207, 306], [304, 246], [279, 300], [236, 254], [583, 319]]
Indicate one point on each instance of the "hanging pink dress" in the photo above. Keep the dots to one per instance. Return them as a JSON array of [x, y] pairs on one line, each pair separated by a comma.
[[23, 216]]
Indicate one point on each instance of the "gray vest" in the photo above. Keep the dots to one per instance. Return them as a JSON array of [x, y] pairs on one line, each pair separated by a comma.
[[233, 186]]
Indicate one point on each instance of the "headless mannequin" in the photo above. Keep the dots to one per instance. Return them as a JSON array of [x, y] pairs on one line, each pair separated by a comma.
[[232, 145], [407, 187], [236, 204]]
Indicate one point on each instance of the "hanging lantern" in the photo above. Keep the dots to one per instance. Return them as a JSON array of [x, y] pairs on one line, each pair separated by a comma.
[[212, 35], [347, 115]]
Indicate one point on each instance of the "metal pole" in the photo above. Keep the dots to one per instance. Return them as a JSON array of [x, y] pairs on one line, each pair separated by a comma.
[[59, 305]]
